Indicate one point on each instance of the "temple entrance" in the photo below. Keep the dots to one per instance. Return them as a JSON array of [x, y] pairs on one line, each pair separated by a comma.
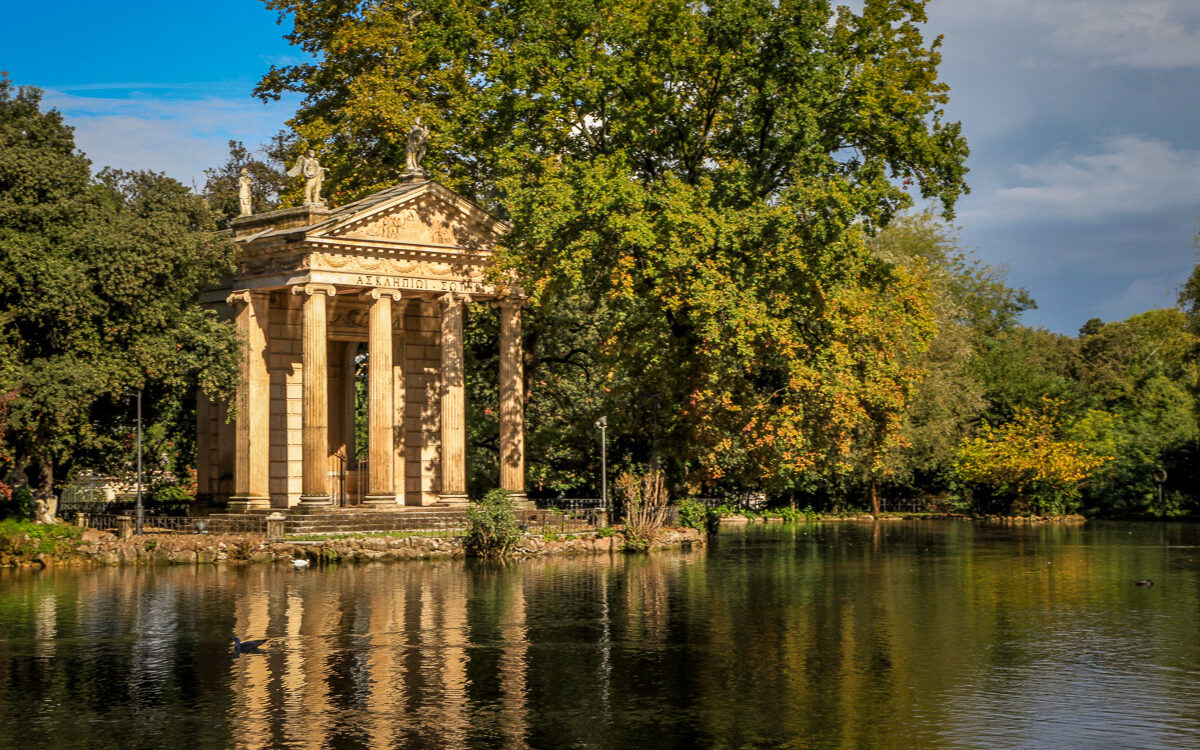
[[349, 402]]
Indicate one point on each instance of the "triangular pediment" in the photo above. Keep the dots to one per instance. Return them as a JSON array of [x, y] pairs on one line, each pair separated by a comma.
[[427, 214]]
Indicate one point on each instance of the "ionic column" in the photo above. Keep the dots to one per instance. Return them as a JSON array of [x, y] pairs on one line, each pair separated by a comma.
[[399, 458], [454, 422], [315, 373], [512, 407], [251, 464], [381, 413]]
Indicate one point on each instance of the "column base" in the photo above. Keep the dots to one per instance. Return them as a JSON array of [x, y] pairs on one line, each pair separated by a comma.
[[382, 501], [520, 501], [454, 498], [245, 503], [309, 501]]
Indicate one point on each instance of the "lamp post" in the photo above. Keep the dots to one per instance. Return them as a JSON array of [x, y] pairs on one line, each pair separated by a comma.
[[602, 423], [138, 526], [1160, 477]]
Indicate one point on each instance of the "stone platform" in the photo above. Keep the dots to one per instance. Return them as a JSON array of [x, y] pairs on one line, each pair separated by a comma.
[[359, 520]]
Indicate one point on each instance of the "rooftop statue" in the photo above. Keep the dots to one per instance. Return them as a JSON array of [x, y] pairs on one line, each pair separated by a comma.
[[314, 174], [417, 138], [244, 192]]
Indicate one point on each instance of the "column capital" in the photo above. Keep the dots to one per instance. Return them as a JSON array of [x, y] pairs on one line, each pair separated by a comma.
[[311, 289], [453, 298], [510, 301], [393, 294]]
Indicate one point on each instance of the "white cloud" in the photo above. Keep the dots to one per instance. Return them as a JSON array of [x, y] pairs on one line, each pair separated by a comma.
[[1130, 175], [181, 137], [1135, 33]]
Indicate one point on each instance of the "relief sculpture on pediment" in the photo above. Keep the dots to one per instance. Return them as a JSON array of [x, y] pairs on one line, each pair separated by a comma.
[[428, 222]]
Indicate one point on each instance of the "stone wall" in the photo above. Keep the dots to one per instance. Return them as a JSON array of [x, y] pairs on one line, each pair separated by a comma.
[[100, 548]]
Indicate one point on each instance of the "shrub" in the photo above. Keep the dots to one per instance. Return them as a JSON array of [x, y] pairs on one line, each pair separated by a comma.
[[693, 514], [605, 532], [27, 538], [645, 507], [492, 528]]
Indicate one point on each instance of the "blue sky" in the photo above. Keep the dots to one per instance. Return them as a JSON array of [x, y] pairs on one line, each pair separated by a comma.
[[1083, 118]]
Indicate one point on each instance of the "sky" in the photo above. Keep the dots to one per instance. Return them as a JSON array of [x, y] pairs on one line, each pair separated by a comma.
[[1083, 118]]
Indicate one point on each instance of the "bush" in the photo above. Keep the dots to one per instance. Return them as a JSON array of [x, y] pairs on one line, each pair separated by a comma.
[[16, 503], [697, 516], [645, 507], [492, 528], [692, 514], [27, 538]]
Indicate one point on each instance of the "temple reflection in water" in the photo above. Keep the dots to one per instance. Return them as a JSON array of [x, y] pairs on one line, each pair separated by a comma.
[[427, 656]]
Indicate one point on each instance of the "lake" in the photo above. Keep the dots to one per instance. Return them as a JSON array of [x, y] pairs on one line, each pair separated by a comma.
[[900, 634]]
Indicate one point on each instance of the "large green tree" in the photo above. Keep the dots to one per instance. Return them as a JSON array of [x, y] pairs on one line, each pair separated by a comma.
[[690, 186], [99, 282], [1138, 377]]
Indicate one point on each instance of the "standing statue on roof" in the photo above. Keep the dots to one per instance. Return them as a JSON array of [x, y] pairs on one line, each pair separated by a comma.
[[417, 138], [244, 192], [314, 174]]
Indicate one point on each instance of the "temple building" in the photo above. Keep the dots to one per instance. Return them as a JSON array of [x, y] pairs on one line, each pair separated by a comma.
[[320, 295]]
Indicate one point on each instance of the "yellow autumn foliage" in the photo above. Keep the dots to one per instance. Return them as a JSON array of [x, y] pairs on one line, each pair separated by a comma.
[[1025, 464]]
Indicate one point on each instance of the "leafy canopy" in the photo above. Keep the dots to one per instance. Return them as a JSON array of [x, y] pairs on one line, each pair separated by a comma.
[[98, 295], [689, 186]]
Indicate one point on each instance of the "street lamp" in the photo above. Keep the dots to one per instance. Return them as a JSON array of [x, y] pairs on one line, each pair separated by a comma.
[[1160, 477], [140, 512], [602, 424]]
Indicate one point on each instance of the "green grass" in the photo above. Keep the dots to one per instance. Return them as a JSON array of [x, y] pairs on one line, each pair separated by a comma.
[[45, 538]]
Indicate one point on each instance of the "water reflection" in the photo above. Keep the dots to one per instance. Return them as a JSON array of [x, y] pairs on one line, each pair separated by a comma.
[[893, 635]]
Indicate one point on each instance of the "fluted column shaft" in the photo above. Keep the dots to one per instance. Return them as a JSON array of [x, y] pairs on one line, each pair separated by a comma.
[[512, 406], [399, 457], [315, 483], [454, 423], [251, 470], [381, 413]]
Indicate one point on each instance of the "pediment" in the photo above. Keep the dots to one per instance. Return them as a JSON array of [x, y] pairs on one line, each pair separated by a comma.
[[426, 215]]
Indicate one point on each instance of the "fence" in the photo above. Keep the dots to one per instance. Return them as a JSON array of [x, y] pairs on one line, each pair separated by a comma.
[[250, 525]]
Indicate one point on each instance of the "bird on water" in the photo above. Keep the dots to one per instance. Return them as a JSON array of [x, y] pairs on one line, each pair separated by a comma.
[[299, 563], [1144, 583], [246, 647]]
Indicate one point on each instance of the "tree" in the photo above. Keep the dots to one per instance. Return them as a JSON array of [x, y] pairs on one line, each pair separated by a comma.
[[1026, 465], [99, 280], [1139, 376], [267, 180], [1017, 368], [690, 186], [971, 305]]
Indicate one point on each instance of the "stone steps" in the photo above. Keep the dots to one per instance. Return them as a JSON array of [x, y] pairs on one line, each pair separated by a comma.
[[338, 520]]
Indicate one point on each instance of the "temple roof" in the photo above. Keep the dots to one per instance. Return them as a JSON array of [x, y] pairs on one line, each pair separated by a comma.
[[436, 207]]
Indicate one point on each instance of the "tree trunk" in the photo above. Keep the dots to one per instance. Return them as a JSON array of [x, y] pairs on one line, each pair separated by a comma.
[[874, 497]]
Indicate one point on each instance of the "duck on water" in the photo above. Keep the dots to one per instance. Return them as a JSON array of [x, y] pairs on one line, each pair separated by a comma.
[[246, 647]]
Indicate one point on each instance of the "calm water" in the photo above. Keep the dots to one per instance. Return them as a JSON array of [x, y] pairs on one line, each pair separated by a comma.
[[901, 635]]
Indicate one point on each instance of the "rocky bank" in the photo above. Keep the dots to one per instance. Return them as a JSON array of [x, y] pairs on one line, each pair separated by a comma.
[[100, 548]]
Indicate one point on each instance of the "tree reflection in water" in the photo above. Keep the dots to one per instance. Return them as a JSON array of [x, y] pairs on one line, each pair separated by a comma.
[[892, 635]]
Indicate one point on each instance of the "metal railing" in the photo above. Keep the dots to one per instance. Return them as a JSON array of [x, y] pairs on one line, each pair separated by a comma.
[[250, 525]]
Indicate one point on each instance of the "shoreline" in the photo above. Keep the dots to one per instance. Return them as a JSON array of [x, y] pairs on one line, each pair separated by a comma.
[[740, 520], [102, 549]]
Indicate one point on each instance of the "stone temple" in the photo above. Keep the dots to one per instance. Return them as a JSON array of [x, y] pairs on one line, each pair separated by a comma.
[[320, 295]]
